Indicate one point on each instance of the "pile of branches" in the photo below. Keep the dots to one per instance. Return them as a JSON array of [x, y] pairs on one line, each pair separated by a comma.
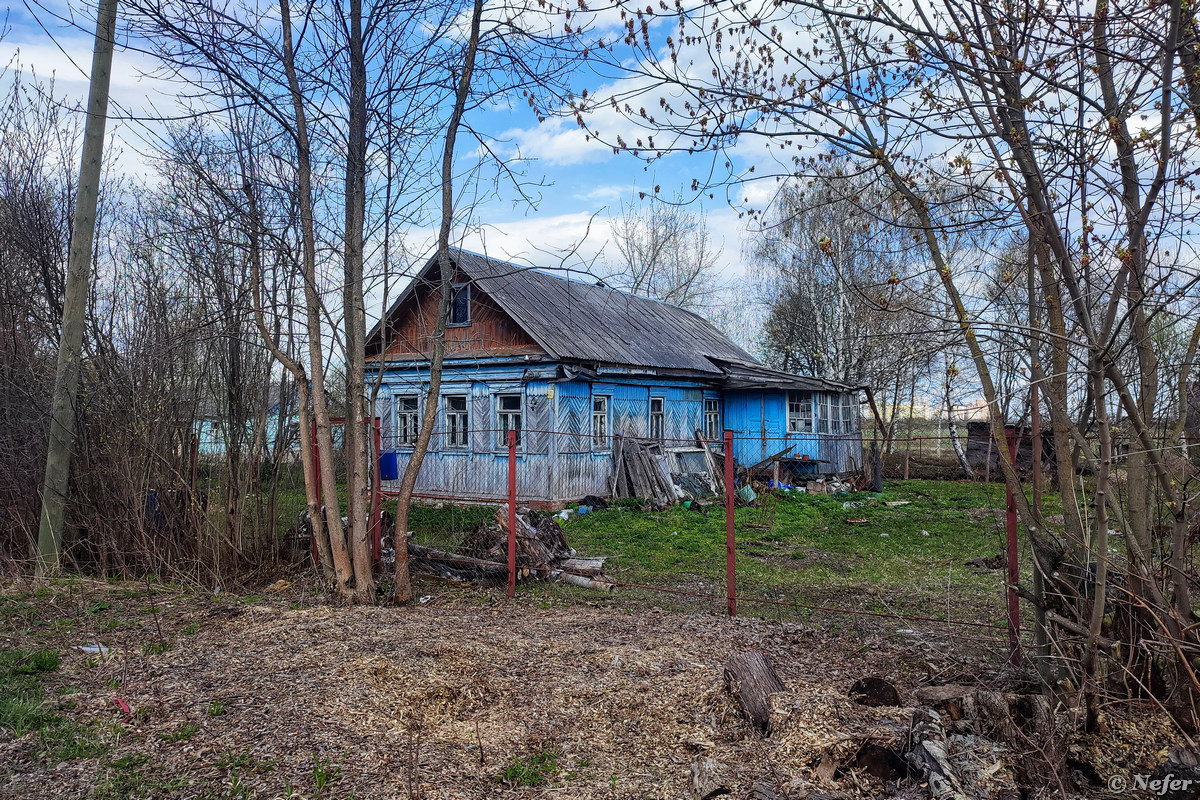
[[541, 549]]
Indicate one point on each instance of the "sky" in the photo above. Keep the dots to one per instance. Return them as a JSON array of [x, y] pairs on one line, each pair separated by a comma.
[[585, 182]]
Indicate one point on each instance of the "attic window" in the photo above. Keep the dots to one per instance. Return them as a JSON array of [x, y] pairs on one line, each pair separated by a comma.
[[460, 305]]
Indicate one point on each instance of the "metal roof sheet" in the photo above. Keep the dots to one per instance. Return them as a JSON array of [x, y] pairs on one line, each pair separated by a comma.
[[581, 321]]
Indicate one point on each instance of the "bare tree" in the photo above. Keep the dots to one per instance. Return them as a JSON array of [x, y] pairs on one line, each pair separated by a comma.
[[952, 100], [66, 382], [664, 251]]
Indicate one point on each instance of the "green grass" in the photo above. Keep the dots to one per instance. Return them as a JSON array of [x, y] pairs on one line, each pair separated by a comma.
[[442, 526], [24, 708], [533, 770], [804, 548], [156, 648], [181, 734]]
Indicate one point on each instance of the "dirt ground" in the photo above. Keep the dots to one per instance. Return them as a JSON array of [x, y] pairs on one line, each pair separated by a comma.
[[463, 696]]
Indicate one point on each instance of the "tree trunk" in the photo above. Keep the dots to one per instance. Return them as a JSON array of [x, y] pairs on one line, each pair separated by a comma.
[[323, 466], [403, 591], [355, 318], [70, 343]]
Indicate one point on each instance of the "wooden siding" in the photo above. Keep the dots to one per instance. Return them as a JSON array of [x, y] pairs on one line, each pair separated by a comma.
[[759, 422], [558, 460], [491, 330]]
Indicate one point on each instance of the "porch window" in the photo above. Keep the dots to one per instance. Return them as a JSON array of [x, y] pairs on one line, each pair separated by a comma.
[[657, 418], [849, 414], [824, 419], [600, 422], [458, 427], [712, 419], [800, 412], [460, 305], [407, 421], [508, 413]]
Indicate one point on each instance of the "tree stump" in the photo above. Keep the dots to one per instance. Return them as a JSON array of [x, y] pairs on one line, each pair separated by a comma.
[[752, 680]]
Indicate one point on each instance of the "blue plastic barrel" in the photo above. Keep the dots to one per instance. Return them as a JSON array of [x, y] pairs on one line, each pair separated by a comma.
[[389, 468]]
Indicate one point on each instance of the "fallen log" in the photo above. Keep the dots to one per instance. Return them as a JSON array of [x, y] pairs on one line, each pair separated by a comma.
[[583, 566], [581, 581], [929, 755], [752, 680]]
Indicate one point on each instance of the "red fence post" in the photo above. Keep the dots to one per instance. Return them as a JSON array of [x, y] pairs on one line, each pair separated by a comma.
[[376, 491], [1014, 611], [730, 586], [512, 512], [316, 460]]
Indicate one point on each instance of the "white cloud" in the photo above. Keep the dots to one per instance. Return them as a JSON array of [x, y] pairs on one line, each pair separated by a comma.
[[556, 142]]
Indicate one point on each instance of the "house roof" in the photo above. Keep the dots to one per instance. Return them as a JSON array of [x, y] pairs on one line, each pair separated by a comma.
[[752, 375], [583, 321]]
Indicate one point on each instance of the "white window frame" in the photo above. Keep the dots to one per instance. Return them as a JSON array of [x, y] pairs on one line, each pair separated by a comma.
[[712, 419], [658, 419], [601, 407], [849, 413], [799, 412], [823, 413], [458, 422], [407, 421], [455, 291], [504, 418]]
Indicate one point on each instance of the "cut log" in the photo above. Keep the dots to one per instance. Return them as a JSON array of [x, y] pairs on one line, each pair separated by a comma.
[[763, 791], [581, 581], [929, 755], [752, 680], [707, 780], [874, 691], [583, 566]]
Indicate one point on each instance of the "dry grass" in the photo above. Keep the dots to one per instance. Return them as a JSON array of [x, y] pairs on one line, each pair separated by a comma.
[[465, 696]]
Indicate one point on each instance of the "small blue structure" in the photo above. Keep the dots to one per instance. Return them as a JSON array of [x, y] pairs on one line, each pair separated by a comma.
[[568, 364]]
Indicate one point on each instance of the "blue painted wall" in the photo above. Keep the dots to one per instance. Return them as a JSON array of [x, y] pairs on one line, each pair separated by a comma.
[[559, 460]]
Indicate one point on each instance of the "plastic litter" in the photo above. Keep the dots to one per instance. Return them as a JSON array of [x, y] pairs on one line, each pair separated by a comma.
[[94, 649]]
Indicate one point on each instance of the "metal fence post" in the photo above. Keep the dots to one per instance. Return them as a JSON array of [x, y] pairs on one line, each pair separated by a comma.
[[730, 586], [1014, 611], [512, 512]]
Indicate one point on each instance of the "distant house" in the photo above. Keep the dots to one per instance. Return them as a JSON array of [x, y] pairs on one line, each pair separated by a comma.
[[211, 421], [570, 363]]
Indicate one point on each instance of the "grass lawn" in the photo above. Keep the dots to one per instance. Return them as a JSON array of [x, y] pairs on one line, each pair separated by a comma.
[[848, 551]]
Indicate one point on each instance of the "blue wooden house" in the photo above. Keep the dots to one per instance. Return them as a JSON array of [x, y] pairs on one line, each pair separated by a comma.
[[568, 363]]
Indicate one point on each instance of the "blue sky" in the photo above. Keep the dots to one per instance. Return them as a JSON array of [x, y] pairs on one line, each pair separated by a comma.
[[586, 181]]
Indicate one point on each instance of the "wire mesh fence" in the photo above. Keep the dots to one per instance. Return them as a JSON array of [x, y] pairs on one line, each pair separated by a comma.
[[783, 538]]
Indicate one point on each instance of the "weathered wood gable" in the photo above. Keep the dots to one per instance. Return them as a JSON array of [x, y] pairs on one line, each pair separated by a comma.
[[491, 331]]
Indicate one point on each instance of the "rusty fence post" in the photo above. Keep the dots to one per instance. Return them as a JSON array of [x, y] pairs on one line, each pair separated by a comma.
[[730, 548], [1014, 611], [512, 512], [316, 459], [373, 424]]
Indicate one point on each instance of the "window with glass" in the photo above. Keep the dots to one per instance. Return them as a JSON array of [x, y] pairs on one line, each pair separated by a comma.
[[800, 412], [508, 417], [824, 417], [600, 422], [408, 423], [712, 419], [460, 305], [849, 414], [657, 418], [458, 428]]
